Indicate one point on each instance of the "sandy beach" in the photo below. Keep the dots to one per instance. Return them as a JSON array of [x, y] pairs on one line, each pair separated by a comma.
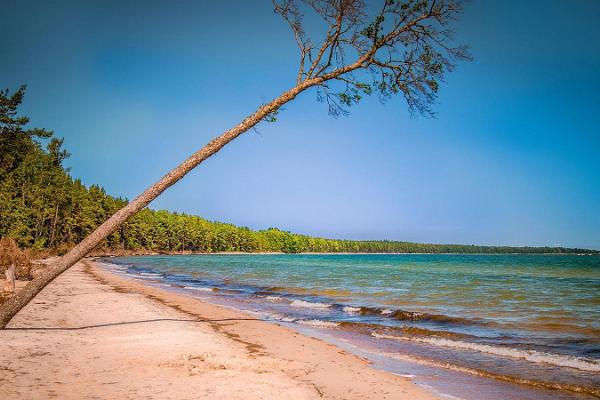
[[93, 335]]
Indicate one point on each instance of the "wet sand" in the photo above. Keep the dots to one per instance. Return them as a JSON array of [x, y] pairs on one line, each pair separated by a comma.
[[93, 335]]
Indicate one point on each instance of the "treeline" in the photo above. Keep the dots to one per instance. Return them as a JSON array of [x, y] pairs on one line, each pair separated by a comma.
[[43, 207]]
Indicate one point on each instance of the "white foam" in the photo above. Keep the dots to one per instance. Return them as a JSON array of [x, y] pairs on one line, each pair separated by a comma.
[[279, 317], [351, 310], [112, 267], [318, 323], [307, 304], [149, 275], [443, 395], [199, 288], [386, 311], [405, 375], [273, 298], [529, 355]]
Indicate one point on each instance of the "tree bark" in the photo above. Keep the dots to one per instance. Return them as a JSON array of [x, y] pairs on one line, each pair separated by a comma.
[[10, 285], [17, 302]]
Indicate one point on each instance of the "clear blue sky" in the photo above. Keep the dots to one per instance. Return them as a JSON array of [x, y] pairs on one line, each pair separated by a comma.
[[512, 158]]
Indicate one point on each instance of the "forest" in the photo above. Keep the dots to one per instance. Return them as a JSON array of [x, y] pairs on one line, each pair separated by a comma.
[[45, 209]]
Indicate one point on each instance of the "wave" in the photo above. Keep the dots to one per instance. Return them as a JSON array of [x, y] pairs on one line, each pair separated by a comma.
[[369, 328], [506, 378], [276, 292], [273, 298], [275, 289], [200, 288], [310, 322], [111, 266], [308, 304], [403, 315], [529, 355], [415, 331], [147, 275], [318, 323], [278, 317], [419, 316]]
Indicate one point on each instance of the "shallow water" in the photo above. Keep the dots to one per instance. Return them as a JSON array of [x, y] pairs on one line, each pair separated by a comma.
[[527, 319]]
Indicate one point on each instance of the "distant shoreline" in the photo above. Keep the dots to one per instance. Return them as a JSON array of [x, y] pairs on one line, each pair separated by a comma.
[[186, 253]]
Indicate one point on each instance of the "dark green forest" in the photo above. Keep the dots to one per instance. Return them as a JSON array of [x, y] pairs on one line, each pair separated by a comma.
[[43, 208]]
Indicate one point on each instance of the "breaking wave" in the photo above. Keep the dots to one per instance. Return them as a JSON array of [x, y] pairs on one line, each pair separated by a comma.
[[529, 355], [318, 323], [199, 288], [308, 304]]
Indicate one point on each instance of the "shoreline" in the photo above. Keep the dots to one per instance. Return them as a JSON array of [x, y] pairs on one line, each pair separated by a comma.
[[233, 253], [329, 328], [96, 323]]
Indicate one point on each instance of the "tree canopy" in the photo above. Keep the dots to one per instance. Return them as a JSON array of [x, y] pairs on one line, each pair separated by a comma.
[[394, 47]]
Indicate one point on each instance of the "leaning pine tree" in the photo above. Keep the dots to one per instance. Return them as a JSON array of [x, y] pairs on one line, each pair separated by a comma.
[[395, 47]]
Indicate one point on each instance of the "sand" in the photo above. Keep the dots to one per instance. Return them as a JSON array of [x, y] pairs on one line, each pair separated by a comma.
[[93, 335]]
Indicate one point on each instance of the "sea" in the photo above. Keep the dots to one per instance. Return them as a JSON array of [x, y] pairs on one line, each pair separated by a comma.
[[463, 326]]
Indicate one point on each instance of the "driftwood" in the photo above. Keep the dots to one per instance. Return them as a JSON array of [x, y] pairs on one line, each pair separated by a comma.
[[10, 258], [10, 284]]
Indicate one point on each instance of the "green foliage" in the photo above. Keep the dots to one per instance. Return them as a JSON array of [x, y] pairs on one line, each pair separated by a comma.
[[43, 207], [15, 142]]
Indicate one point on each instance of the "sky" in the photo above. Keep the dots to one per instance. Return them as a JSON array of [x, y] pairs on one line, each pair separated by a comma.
[[512, 157]]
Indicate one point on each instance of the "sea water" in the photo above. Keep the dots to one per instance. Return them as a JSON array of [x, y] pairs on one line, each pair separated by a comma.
[[528, 321]]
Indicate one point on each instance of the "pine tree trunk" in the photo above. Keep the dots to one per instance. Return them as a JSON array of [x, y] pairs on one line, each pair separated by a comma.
[[17, 302], [51, 241]]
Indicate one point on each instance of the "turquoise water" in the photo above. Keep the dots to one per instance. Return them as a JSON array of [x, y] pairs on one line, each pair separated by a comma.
[[531, 319]]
